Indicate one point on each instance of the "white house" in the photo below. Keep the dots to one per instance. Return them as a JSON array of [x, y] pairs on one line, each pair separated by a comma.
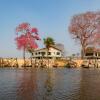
[[53, 53]]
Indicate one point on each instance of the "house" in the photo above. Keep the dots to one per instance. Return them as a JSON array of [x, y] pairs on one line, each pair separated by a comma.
[[53, 53], [62, 48], [92, 53]]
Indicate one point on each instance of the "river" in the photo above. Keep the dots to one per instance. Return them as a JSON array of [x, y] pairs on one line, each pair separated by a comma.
[[49, 84]]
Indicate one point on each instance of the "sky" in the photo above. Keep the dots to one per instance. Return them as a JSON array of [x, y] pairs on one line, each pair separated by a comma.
[[51, 17]]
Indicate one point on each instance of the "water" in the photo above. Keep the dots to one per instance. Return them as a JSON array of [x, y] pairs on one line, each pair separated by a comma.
[[49, 84]]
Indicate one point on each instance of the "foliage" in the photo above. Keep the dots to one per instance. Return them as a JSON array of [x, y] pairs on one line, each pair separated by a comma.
[[26, 40], [67, 65], [96, 40], [85, 28], [49, 42]]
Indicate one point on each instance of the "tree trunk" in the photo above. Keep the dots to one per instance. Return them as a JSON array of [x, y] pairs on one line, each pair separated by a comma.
[[83, 52], [24, 56], [31, 59], [35, 62], [47, 58], [17, 63], [31, 62]]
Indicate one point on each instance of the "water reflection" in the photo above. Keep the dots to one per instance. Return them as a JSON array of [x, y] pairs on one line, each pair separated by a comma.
[[89, 85], [49, 84], [27, 86]]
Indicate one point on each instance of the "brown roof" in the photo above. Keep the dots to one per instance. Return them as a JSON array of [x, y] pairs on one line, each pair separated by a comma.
[[92, 49]]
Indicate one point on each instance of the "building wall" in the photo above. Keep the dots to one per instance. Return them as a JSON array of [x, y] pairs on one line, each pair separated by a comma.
[[52, 53], [92, 55], [92, 52]]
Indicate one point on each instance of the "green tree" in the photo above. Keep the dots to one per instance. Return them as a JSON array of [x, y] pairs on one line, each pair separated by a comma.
[[48, 42]]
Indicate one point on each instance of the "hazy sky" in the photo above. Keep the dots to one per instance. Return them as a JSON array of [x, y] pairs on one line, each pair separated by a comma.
[[51, 17]]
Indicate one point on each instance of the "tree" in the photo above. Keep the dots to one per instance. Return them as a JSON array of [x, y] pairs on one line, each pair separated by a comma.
[[26, 40], [96, 40], [48, 42], [73, 55], [84, 27]]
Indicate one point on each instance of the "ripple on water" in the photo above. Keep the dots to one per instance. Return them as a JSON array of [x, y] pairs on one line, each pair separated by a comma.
[[49, 84]]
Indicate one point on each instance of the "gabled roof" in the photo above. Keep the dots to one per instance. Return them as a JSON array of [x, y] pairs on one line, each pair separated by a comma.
[[92, 49], [46, 48], [53, 46]]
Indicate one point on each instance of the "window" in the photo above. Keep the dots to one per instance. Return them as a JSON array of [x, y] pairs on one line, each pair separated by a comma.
[[58, 53], [42, 53], [89, 54], [99, 54], [36, 53], [96, 54], [32, 53], [49, 53]]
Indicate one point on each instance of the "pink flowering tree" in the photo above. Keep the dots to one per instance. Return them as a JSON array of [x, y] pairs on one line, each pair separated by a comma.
[[26, 38], [96, 40], [85, 28]]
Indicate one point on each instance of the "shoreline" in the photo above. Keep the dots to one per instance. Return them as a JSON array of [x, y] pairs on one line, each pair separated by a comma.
[[44, 63], [18, 62]]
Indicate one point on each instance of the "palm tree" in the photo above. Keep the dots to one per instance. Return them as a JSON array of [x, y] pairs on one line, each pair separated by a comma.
[[48, 42], [31, 50]]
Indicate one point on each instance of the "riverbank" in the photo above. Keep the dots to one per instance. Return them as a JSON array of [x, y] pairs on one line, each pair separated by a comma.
[[16, 62]]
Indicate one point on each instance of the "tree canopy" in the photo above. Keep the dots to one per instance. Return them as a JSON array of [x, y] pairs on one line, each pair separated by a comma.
[[48, 42], [26, 39], [85, 28]]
